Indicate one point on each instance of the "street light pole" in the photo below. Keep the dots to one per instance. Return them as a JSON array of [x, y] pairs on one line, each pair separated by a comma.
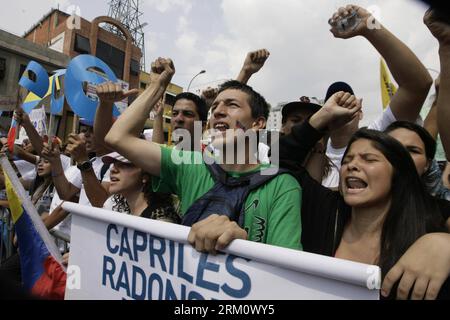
[[201, 72]]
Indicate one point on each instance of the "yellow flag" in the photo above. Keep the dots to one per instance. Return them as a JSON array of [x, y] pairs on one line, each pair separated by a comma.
[[388, 89]]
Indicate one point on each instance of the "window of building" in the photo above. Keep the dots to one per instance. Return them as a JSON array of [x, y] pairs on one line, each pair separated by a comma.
[[170, 99], [112, 56], [82, 44], [135, 67], [2, 68]]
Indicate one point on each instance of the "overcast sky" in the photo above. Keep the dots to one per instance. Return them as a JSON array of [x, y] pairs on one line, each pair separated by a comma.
[[215, 35]]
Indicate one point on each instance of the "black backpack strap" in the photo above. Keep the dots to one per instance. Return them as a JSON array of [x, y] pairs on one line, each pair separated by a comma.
[[103, 171], [228, 195], [257, 180]]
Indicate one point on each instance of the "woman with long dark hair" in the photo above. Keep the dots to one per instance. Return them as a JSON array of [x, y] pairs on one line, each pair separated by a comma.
[[42, 188], [362, 220], [380, 210], [374, 160]]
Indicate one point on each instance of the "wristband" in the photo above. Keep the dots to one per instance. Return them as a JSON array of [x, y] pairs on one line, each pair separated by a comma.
[[85, 166]]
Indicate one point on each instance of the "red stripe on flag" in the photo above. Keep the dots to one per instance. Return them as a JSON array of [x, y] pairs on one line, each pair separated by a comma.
[[11, 138], [52, 283]]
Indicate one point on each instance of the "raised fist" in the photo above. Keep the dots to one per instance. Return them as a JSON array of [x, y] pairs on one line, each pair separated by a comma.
[[440, 30], [162, 72], [255, 60], [351, 21], [21, 117], [77, 148]]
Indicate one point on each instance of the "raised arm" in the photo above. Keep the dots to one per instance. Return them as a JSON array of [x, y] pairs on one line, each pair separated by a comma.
[[96, 192], [340, 109], [253, 63], [65, 189], [412, 77], [158, 123], [209, 95], [108, 93], [441, 31], [24, 155], [124, 134], [23, 119], [431, 123]]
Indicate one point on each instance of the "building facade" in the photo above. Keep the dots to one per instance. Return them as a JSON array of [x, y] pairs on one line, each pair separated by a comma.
[[73, 35], [15, 54]]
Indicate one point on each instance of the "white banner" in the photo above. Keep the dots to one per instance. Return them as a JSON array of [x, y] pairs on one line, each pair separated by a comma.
[[117, 256]]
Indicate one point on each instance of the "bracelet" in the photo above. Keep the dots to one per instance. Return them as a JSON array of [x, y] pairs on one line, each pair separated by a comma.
[[85, 166]]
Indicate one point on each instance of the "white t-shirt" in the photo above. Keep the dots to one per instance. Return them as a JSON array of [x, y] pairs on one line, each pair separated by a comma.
[[109, 203], [64, 226], [335, 155], [73, 175], [27, 170]]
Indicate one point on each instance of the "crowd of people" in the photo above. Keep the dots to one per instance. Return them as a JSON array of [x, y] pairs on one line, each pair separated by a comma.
[[374, 195]]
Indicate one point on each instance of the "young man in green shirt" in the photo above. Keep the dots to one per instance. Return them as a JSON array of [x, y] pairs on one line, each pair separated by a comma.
[[272, 211]]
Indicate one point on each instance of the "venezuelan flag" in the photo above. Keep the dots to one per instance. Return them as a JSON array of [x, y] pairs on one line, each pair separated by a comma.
[[12, 135], [42, 275], [31, 101]]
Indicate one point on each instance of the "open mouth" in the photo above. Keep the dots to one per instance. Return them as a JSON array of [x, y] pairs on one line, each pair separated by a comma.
[[355, 185], [220, 126], [114, 179]]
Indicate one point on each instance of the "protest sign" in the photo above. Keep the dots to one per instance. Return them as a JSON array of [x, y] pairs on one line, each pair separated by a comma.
[[118, 256]]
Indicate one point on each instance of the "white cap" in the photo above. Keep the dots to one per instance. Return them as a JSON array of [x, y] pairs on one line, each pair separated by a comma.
[[114, 157]]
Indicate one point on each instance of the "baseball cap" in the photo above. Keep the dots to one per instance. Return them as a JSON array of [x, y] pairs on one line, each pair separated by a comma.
[[304, 104], [114, 157], [336, 87]]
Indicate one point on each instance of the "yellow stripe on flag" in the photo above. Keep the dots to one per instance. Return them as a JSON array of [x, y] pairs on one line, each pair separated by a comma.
[[388, 89], [31, 97], [15, 205]]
